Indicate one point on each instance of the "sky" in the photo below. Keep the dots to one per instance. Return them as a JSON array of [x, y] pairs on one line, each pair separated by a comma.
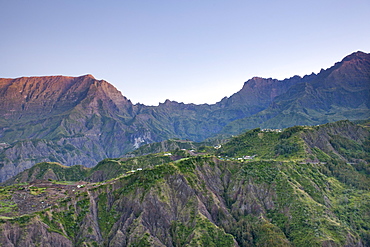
[[191, 51]]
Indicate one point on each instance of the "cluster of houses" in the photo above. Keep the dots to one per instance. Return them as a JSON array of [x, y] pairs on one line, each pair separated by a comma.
[[133, 171], [272, 130], [246, 157]]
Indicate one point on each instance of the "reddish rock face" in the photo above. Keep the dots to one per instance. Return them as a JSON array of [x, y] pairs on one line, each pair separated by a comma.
[[75, 111], [34, 97]]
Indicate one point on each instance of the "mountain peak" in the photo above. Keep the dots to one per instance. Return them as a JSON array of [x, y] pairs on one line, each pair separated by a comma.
[[357, 55], [170, 103], [257, 78], [88, 76]]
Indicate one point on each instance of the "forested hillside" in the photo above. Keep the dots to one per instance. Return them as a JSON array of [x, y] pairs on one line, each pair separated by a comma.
[[266, 187]]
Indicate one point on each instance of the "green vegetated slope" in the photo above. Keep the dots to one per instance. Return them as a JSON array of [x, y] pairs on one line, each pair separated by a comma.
[[104, 170], [305, 186], [164, 146]]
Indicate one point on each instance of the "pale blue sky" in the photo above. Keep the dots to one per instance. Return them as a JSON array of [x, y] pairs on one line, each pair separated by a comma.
[[189, 51]]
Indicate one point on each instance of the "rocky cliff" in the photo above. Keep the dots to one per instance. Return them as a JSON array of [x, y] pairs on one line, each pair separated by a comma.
[[65, 119], [339, 92]]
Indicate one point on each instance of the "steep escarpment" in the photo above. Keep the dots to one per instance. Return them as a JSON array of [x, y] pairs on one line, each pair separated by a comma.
[[337, 93], [38, 107], [29, 98], [68, 120]]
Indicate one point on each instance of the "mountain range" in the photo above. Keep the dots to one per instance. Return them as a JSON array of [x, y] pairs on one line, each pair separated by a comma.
[[82, 120]]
